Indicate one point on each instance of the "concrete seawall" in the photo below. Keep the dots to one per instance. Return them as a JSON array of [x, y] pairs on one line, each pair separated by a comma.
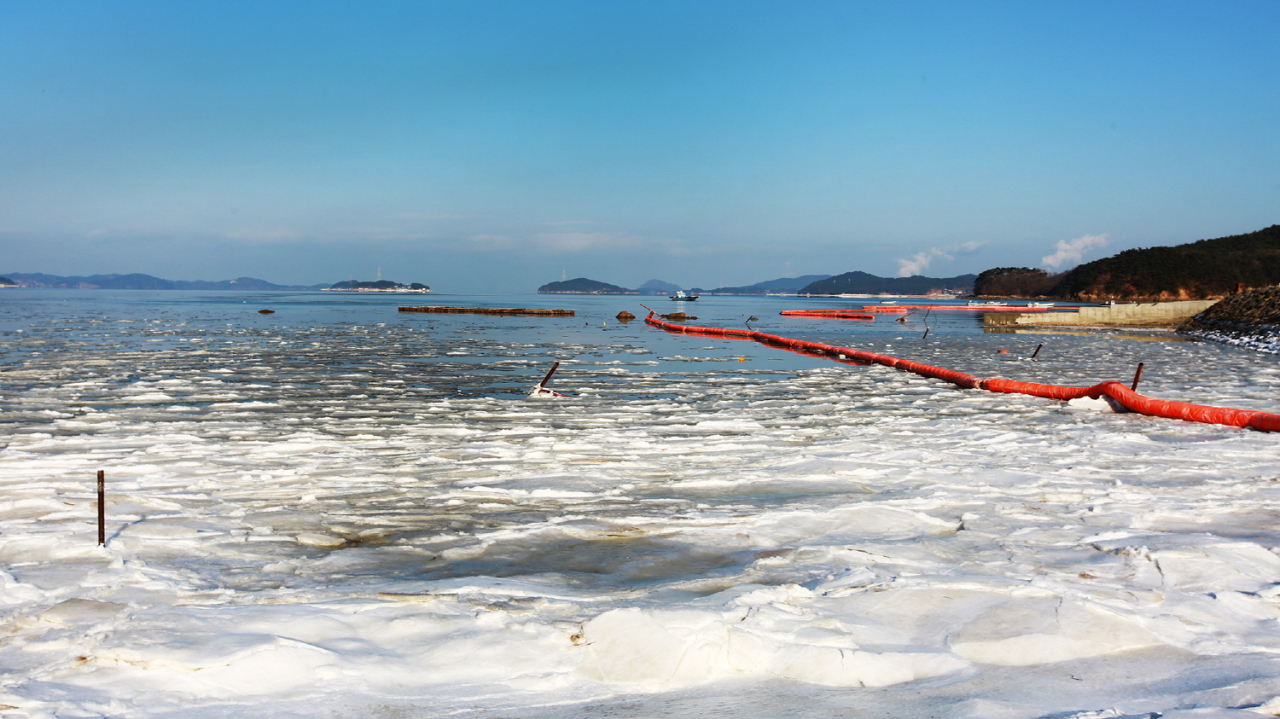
[[1117, 315]]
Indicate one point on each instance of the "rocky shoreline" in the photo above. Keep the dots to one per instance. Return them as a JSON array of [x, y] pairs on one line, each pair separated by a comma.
[[1246, 319]]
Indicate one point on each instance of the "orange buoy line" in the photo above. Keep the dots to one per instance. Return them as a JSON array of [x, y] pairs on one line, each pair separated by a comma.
[[829, 314], [1131, 400]]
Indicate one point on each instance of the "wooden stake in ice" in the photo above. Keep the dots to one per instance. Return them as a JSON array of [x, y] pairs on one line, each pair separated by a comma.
[[102, 508], [540, 389], [1137, 376], [550, 372]]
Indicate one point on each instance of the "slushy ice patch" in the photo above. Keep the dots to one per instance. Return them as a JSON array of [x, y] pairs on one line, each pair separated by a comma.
[[347, 517]]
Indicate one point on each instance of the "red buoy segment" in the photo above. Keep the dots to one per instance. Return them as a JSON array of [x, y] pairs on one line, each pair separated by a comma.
[[1129, 399]]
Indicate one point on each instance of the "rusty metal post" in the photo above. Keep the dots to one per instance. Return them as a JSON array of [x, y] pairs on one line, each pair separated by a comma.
[[1137, 376], [1033, 354], [102, 508]]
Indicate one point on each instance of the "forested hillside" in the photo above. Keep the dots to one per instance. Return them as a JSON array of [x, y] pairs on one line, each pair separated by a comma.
[[1198, 270]]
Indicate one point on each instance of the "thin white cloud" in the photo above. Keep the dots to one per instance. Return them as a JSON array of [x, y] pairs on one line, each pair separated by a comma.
[[263, 235], [1071, 251], [575, 242], [583, 241], [491, 240], [427, 216], [921, 260]]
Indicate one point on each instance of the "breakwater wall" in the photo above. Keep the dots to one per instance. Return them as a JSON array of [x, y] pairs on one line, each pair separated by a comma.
[[1136, 314]]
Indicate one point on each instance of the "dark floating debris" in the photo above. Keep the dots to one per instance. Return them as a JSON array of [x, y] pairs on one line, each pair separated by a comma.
[[625, 316], [490, 311], [266, 312]]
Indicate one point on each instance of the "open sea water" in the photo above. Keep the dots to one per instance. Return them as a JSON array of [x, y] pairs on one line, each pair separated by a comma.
[[340, 510]]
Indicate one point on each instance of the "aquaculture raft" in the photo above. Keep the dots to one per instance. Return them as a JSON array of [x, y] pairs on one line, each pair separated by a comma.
[[490, 311], [829, 314], [1131, 400]]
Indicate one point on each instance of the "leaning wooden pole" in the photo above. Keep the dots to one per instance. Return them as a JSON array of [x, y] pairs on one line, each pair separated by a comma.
[[546, 379], [102, 508]]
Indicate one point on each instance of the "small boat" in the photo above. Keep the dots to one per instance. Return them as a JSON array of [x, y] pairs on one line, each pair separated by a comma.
[[680, 296], [888, 302], [1042, 304], [975, 303]]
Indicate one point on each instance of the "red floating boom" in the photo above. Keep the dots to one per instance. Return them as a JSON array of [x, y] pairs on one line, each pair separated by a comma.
[[1131, 400]]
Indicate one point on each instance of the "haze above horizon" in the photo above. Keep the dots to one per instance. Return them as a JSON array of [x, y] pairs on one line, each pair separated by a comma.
[[470, 145]]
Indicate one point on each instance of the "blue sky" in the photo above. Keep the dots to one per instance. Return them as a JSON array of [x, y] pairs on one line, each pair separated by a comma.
[[491, 146]]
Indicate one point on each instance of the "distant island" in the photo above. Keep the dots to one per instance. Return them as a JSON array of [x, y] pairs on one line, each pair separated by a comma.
[[143, 282], [1197, 270], [862, 283], [6, 282], [583, 286], [376, 286]]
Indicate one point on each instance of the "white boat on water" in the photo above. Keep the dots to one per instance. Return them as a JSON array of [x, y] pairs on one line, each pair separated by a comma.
[[681, 296], [989, 303], [1042, 304]]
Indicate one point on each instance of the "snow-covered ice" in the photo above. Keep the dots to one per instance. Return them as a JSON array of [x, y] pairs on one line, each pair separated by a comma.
[[339, 511]]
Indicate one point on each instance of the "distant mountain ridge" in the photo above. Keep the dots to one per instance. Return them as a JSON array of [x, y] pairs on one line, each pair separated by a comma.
[[862, 283], [780, 286], [582, 285], [137, 281], [658, 287]]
